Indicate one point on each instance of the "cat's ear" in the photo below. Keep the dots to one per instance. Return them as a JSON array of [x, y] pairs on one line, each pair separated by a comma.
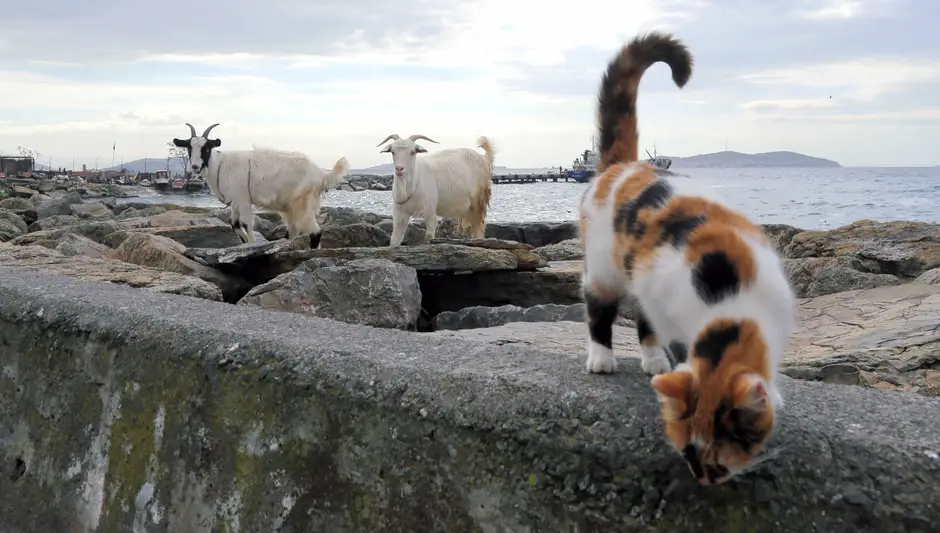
[[749, 392], [674, 388]]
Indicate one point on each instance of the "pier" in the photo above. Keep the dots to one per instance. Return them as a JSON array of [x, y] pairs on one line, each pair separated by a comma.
[[534, 178]]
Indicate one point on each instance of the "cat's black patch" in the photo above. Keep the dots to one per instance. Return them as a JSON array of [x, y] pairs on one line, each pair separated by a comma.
[[679, 352], [643, 328], [676, 228], [628, 260], [601, 315], [737, 426], [715, 278], [654, 196], [691, 457], [713, 344]]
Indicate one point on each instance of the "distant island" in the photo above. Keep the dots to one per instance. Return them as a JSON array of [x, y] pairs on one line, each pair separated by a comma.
[[725, 159], [729, 159]]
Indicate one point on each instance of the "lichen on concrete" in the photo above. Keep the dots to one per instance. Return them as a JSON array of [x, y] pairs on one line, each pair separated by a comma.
[[201, 417]]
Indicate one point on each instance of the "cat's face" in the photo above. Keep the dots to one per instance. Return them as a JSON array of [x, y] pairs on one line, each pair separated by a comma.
[[719, 421]]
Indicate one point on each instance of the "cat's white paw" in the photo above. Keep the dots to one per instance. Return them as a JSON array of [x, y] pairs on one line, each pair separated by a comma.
[[654, 361], [600, 360]]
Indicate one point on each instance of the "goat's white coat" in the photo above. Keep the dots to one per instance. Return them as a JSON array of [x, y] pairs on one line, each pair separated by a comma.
[[669, 300], [454, 183], [283, 181]]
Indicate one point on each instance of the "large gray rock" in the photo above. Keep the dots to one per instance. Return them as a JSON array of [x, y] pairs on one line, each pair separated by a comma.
[[902, 248], [371, 292], [188, 415], [343, 216], [818, 276], [97, 231], [94, 210], [14, 204], [355, 235], [537, 234], [931, 277], [53, 222], [166, 254], [70, 244], [569, 250], [487, 317], [11, 225], [44, 260], [62, 206], [218, 235]]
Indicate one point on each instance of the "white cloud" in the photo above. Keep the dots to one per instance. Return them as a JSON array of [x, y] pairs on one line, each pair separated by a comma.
[[862, 80], [843, 9]]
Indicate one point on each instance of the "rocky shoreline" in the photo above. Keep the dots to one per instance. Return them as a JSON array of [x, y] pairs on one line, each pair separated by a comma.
[[869, 316]]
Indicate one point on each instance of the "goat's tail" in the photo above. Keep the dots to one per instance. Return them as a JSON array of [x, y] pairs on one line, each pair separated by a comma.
[[616, 110], [338, 171], [488, 149]]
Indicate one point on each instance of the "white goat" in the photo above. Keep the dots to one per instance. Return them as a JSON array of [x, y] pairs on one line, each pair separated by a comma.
[[286, 182], [453, 183]]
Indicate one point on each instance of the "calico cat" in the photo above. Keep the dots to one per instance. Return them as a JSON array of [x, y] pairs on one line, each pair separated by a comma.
[[710, 285]]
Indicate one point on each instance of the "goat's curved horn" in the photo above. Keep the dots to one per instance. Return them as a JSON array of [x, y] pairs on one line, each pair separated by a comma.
[[191, 129], [392, 136], [205, 134], [414, 138]]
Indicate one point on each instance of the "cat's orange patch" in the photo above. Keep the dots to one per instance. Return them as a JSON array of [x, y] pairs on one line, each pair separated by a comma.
[[605, 182], [716, 237]]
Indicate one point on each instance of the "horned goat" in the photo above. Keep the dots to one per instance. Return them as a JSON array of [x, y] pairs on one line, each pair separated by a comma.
[[286, 182], [454, 183]]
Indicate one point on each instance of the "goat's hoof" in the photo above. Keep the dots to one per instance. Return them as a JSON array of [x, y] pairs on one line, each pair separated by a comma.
[[315, 240]]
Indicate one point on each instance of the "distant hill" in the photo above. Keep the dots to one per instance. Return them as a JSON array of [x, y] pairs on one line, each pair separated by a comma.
[[151, 164], [763, 160], [716, 160]]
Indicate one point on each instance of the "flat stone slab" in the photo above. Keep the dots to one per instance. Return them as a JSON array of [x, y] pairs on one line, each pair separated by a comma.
[[887, 337]]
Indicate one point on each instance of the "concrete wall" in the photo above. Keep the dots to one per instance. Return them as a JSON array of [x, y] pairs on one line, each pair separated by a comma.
[[126, 410]]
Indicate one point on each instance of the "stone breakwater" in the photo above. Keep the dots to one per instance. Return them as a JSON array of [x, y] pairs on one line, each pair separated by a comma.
[[130, 410], [867, 316]]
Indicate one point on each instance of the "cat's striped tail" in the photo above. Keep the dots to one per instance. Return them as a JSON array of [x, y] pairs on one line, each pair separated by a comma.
[[616, 108]]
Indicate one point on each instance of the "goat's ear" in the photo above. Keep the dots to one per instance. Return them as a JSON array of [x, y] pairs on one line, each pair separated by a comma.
[[181, 143], [420, 149], [386, 150], [214, 143]]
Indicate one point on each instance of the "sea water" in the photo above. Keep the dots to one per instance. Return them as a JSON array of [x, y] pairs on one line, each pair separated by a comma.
[[809, 198]]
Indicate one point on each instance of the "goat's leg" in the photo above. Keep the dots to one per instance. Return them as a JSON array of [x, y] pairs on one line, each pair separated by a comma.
[[243, 222], [400, 222], [430, 223]]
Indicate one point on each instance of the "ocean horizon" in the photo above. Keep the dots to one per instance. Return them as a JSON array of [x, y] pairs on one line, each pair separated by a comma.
[[808, 198]]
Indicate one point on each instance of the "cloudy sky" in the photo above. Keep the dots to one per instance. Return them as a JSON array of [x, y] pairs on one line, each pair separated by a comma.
[[855, 81]]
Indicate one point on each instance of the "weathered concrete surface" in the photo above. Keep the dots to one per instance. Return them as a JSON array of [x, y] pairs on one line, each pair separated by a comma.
[[169, 413], [887, 337]]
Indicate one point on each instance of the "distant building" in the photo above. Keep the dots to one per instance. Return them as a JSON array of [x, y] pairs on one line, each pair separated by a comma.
[[12, 165]]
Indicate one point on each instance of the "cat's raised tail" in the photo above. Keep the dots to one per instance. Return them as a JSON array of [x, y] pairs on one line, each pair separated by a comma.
[[617, 97]]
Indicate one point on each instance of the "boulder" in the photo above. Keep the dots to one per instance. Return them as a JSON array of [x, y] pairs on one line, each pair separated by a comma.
[[780, 234], [23, 192], [96, 231], [11, 225], [537, 234], [55, 221], [818, 276], [371, 292], [133, 212], [15, 203], [208, 235], [355, 235], [903, 248], [62, 206], [931, 277], [46, 261], [70, 244], [166, 254], [569, 250], [95, 210], [487, 317], [343, 216]]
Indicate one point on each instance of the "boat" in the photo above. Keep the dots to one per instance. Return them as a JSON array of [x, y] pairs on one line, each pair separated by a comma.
[[178, 184], [584, 167], [144, 183], [162, 180], [658, 161], [195, 184]]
